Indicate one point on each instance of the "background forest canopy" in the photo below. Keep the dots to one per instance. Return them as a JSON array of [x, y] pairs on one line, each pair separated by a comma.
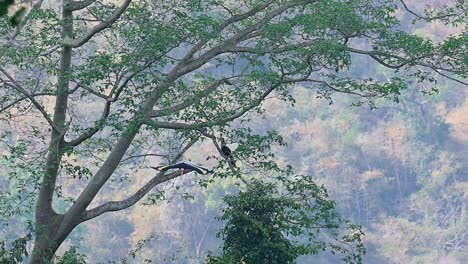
[[94, 93]]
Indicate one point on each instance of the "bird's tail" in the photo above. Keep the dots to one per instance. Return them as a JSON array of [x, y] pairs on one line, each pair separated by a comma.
[[158, 168]]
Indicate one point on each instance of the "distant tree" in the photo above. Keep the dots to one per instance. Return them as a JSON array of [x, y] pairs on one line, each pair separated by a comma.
[[265, 224], [188, 69]]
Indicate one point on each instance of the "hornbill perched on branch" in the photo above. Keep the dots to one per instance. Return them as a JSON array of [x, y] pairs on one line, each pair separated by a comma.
[[227, 152], [184, 166]]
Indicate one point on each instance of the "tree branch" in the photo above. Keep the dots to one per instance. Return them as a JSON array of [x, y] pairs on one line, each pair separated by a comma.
[[448, 76], [77, 5], [426, 18], [226, 23], [111, 98], [21, 90], [22, 99], [142, 155], [247, 33], [100, 95], [188, 102], [75, 43], [198, 126], [138, 195], [242, 49], [375, 56]]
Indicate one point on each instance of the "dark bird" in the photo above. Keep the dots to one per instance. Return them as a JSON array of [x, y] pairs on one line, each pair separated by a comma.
[[184, 166], [227, 152]]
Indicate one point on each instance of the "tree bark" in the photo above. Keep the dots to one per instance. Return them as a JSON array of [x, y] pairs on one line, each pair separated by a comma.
[[48, 240]]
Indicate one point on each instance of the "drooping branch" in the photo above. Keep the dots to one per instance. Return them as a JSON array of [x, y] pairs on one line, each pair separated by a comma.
[[448, 76], [375, 56], [405, 61], [78, 42], [428, 18]]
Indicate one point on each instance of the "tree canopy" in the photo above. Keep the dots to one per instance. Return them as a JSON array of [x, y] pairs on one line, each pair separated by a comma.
[[90, 89], [263, 224]]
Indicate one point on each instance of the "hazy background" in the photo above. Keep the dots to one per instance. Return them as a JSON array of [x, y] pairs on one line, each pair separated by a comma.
[[400, 171]]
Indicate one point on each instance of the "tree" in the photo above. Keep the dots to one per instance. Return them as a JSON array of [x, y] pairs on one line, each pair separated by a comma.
[[186, 69], [263, 224]]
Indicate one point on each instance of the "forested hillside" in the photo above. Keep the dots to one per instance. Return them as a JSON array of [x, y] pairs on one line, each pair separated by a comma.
[[396, 166]]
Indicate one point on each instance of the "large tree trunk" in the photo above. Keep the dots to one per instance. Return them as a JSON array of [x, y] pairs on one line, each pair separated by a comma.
[[50, 232]]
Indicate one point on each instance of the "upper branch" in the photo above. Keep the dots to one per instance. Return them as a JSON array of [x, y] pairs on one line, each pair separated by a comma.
[[405, 61], [435, 17], [221, 121], [227, 22], [74, 43], [111, 98], [188, 102], [245, 34]]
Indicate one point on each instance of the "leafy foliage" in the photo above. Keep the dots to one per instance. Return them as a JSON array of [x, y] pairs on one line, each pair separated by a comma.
[[278, 222], [91, 89]]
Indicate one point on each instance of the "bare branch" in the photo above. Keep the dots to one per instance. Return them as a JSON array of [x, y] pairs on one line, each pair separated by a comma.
[[411, 11], [448, 76], [98, 94], [77, 5], [39, 107], [22, 99], [142, 155], [375, 56], [428, 18], [74, 43], [121, 205], [138, 195]]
